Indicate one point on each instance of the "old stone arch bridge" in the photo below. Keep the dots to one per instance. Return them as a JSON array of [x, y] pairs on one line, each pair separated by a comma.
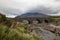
[[29, 20]]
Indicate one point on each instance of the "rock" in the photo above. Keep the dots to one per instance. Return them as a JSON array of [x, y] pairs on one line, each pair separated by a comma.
[[46, 34]]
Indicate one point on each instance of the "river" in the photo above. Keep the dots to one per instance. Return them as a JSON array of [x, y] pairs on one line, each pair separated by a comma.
[[46, 34]]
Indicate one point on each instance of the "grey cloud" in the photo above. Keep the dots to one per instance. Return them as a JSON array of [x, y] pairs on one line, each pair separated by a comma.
[[10, 11], [57, 0], [49, 7], [45, 10], [40, 9]]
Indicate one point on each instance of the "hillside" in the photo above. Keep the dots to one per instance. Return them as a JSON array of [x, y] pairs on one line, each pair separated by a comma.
[[14, 30]]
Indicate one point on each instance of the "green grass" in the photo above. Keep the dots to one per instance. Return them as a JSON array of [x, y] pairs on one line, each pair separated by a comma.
[[7, 33]]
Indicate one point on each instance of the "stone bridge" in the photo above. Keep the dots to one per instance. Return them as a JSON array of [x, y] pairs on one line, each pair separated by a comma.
[[41, 19], [35, 20]]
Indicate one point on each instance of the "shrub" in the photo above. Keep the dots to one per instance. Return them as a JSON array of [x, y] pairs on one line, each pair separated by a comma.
[[7, 33], [2, 18]]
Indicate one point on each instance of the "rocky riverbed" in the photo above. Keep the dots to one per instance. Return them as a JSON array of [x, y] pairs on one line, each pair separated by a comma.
[[44, 31]]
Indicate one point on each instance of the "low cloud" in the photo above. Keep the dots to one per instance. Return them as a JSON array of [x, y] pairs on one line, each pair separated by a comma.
[[18, 7]]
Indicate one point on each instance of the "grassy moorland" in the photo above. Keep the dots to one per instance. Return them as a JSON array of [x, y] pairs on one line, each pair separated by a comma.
[[18, 33]]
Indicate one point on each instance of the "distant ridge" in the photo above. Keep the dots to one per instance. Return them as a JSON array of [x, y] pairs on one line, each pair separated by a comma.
[[35, 14]]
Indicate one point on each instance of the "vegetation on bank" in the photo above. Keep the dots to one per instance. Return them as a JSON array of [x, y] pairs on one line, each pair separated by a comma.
[[55, 20], [7, 32], [18, 33]]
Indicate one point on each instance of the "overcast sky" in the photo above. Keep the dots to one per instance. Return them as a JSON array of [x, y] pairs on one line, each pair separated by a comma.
[[12, 8]]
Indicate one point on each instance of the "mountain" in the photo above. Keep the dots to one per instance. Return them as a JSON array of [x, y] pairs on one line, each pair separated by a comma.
[[35, 14]]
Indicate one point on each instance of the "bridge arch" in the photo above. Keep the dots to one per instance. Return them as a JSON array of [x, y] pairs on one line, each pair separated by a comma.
[[46, 21]]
